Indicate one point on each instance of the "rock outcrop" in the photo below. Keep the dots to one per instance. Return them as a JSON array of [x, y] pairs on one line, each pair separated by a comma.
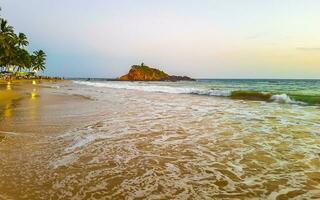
[[145, 73]]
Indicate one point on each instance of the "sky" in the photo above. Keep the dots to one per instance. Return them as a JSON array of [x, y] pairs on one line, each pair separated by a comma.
[[198, 38]]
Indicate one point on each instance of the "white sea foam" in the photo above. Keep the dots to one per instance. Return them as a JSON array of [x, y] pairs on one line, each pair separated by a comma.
[[147, 87], [156, 88], [81, 141], [64, 161], [282, 98], [124, 145]]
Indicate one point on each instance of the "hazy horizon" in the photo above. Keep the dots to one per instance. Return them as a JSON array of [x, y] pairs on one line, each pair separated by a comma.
[[202, 39]]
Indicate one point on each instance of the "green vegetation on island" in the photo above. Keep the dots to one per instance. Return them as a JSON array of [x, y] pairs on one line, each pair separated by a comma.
[[15, 60]]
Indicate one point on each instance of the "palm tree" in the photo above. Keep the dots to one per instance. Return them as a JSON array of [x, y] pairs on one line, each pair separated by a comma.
[[6, 43], [6, 33], [38, 60], [5, 27], [13, 54], [23, 59], [21, 40]]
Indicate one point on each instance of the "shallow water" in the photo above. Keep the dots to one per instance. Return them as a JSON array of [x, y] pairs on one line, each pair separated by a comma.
[[159, 145]]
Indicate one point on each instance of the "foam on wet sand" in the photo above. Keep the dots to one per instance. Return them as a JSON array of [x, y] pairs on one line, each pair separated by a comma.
[[138, 144]]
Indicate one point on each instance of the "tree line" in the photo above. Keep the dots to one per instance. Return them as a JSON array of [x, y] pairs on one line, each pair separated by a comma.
[[14, 56]]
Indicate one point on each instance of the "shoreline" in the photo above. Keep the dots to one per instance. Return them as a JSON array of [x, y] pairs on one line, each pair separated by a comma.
[[25, 80], [57, 138], [37, 101], [31, 117], [286, 96]]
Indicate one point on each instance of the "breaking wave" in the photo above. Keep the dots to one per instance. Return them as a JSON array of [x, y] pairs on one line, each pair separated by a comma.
[[156, 88], [282, 98], [236, 94]]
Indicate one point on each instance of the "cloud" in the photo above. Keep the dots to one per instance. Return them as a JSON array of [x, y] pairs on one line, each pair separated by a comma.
[[308, 48]]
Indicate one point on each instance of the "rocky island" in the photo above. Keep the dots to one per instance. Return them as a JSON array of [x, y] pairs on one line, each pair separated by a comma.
[[146, 73]]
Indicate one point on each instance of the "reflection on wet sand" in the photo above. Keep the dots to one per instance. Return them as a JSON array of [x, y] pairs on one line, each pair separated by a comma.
[[7, 111], [9, 86], [34, 106], [10, 98], [7, 96], [34, 94]]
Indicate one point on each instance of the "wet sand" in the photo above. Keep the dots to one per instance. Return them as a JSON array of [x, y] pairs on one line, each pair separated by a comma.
[[67, 141], [29, 115], [38, 108]]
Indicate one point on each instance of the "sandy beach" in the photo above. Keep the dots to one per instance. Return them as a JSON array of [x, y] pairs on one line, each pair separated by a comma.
[[30, 114], [33, 106], [122, 140], [157, 100]]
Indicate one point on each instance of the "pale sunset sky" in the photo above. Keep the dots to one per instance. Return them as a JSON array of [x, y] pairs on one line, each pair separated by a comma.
[[198, 38]]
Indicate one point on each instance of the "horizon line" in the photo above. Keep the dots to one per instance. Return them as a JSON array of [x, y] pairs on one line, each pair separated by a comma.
[[208, 78]]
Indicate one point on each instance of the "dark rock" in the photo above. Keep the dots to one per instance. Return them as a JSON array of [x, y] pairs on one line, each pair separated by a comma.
[[180, 78]]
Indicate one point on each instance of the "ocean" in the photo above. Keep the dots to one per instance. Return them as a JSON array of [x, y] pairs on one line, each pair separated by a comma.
[[223, 139], [305, 92]]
